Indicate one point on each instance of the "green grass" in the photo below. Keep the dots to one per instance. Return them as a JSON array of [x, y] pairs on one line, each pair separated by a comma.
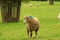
[[49, 25]]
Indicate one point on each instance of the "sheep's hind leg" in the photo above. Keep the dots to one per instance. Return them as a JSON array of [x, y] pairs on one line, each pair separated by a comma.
[[36, 33]]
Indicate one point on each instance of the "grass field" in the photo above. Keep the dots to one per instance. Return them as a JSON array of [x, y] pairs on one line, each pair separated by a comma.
[[49, 25]]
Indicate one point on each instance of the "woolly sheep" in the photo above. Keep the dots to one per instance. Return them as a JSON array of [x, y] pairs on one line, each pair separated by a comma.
[[32, 24], [30, 5], [58, 16], [37, 5]]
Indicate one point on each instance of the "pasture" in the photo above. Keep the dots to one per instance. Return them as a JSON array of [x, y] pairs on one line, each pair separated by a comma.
[[49, 25]]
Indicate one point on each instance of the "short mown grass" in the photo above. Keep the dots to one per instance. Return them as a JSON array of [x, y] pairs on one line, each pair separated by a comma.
[[47, 15]]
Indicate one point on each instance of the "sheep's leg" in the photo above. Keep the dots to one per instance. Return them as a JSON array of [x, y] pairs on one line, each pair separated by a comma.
[[36, 33], [30, 34]]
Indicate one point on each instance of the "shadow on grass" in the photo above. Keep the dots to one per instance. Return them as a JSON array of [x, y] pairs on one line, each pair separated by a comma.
[[39, 38], [34, 38]]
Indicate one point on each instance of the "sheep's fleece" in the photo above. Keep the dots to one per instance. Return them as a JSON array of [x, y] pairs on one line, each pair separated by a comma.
[[32, 23]]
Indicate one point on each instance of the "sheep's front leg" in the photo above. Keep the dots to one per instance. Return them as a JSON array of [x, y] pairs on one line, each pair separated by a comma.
[[36, 33], [30, 34]]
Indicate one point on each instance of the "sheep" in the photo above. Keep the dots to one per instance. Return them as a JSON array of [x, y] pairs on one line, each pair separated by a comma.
[[32, 24], [58, 16], [37, 5], [30, 5]]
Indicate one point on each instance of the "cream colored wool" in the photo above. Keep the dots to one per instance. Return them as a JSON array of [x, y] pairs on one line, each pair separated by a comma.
[[32, 24]]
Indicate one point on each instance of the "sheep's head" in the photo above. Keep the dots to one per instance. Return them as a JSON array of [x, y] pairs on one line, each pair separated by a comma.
[[27, 19]]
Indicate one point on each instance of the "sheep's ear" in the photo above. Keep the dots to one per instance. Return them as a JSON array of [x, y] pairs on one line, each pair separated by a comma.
[[26, 16]]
